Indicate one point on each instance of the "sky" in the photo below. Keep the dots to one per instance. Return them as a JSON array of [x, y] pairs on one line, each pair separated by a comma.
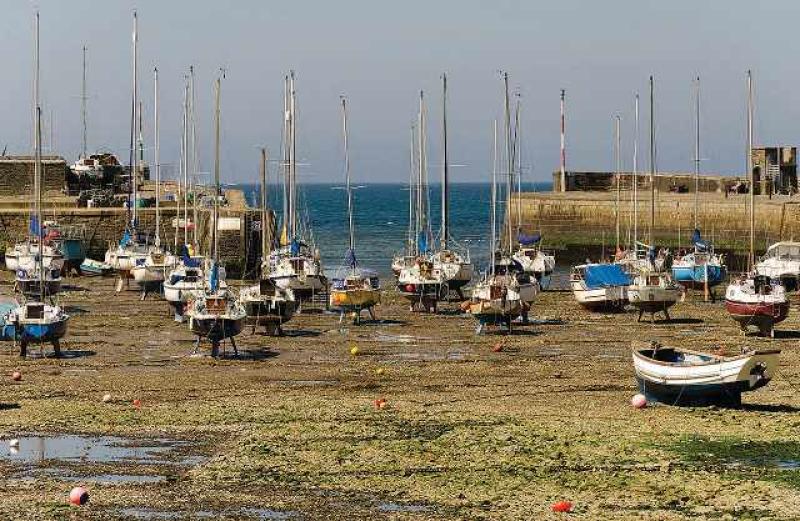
[[380, 54]]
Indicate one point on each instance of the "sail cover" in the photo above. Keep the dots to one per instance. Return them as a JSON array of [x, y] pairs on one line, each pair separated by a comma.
[[529, 240], [605, 275], [699, 243]]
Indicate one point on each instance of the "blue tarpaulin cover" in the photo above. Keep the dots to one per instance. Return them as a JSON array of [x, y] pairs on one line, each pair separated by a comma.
[[528, 240], [698, 241], [605, 275]]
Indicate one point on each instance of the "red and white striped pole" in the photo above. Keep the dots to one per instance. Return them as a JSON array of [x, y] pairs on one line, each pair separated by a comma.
[[563, 147]]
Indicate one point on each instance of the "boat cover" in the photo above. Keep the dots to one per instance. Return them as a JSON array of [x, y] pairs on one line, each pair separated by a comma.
[[529, 240], [605, 275], [699, 243]]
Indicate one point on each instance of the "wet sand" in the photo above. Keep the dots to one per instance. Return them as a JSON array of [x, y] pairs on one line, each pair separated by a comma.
[[290, 429]]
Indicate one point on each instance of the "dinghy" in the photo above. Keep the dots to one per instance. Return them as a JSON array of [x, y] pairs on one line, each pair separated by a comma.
[[682, 377], [95, 268]]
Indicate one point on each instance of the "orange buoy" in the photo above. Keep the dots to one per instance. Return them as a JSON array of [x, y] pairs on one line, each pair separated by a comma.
[[79, 496], [561, 506], [137, 403]]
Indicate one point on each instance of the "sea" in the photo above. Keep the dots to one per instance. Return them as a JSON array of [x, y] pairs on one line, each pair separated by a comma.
[[381, 218]]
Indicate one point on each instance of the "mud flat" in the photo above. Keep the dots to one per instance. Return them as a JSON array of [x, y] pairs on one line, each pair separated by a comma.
[[290, 430]]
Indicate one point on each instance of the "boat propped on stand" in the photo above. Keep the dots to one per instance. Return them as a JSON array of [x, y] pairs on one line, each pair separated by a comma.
[[35, 320], [781, 263], [753, 299], [216, 315], [420, 282], [677, 376], [353, 288], [600, 286], [452, 261], [296, 265], [266, 304]]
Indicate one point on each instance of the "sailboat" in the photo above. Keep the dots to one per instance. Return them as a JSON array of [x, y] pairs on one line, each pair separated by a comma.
[[529, 253], [701, 266], [407, 257], [266, 304], [296, 265], [503, 259], [652, 289], [754, 299], [132, 248], [421, 283], [496, 299], [151, 271], [455, 265], [187, 279], [353, 288], [24, 257], [34, 320], [216, 315]]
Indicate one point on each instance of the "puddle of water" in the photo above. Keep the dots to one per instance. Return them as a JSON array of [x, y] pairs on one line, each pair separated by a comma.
[[267, 514], [91, 449], [402, 507], [108, 479], [310, 383], [148, 514], [388, 337]]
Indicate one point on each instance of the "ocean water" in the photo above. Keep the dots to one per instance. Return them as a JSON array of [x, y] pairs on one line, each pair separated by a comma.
[[381, 219]]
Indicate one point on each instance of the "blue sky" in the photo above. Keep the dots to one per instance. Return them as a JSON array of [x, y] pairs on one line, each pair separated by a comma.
[[380, 54]]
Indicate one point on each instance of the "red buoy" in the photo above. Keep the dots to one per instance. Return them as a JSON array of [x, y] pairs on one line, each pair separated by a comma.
[[561, 506], [137, 403], [16, 376], [79, 496]]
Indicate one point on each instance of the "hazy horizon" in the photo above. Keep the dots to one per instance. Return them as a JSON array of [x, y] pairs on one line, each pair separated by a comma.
[[381, 55]]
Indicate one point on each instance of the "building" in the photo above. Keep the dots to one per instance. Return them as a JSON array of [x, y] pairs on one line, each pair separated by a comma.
[[775, 169]]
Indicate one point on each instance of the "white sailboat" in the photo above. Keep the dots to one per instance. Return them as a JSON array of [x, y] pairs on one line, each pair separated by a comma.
[[296, 265], [151, 271], [34, 320], [266, 304], [453, 262], [132, 248], [496, 298], [216, 315], [754, 299], [421, 283], [353, 288], [653, 290], [529, 253]]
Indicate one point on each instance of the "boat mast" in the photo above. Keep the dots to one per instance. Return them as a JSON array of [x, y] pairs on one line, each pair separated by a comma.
[[652, 166], [132, 151], [509, 163], [410, 247], [83, 105], [518, 155], [156, 158], [445, 166], [751, 259], [293, 156], [185, 162], [37, 174], [195, 161], [285, 162], [266, 235], [421, 186], [348, 187], [617, 173], [493, 217], [696, 150], [636, 174], [214, 233]]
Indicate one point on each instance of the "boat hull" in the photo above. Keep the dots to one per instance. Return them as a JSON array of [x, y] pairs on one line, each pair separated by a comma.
[[613, 298], [264, 312], [764, 316], [216, 328], [41, 332], [652, 299], [695, 276], [355, 299]]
